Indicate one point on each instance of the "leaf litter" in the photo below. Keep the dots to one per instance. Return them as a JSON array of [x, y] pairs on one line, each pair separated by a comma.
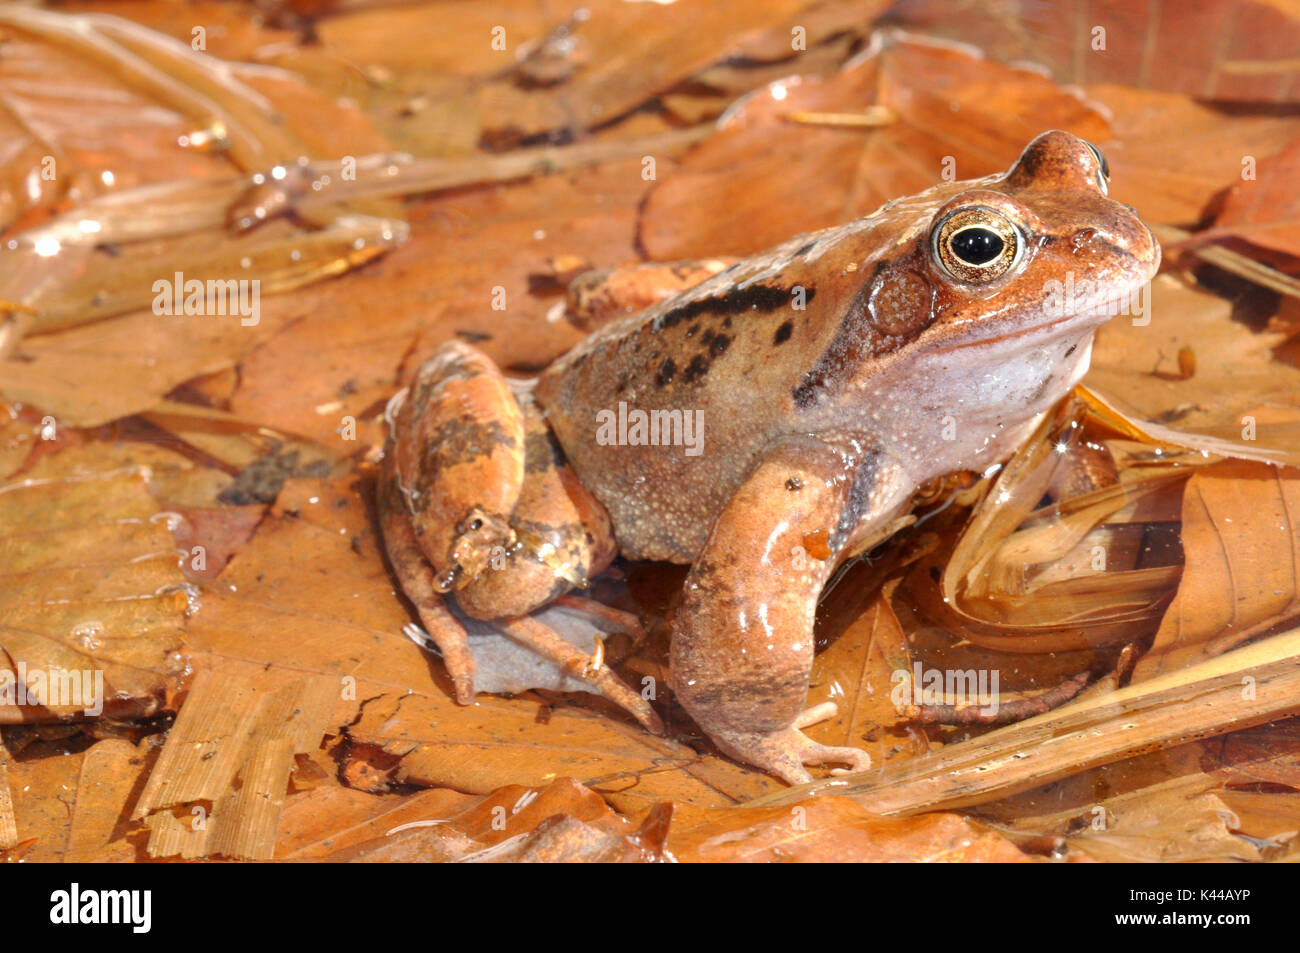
[[294, 606]]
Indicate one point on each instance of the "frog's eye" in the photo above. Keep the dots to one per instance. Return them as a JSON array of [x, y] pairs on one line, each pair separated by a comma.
[[1103, 172], [978, 244]]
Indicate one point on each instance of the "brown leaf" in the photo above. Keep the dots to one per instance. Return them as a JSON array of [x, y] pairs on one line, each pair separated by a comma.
[[331, 818], [92, 375], [1267, 755], [329, 365], [835, 830], [71, 800], [1241, 536], [1211, 49], [558, 822], [218, 533], [1265, 210], [91, 588], [856, 671], [1245, 400], [748, 187], [1159, 807], [1147, 127], [621, 57]]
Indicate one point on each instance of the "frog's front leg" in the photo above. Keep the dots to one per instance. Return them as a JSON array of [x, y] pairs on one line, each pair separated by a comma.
[[742, 648]]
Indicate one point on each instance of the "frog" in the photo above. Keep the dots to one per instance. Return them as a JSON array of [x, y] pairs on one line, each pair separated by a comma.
[[762, 427]]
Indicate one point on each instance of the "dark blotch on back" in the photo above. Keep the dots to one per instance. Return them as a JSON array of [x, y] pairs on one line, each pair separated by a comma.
[[666, 372], [734, 301], [698, 367], [783, 333]]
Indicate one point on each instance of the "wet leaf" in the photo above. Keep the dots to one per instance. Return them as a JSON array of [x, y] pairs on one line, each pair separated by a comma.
[[1241, 534], [1241, 397], [834, 829], [91, 588]]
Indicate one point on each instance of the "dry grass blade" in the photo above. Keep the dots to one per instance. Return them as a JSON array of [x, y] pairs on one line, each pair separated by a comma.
[[1230, 261], [1240, 689]]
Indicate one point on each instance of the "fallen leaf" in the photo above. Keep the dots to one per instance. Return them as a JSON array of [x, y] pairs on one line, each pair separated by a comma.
[[1147, 127], [1241, 536], [1211, 49], [1241, 397], [94, 599], [1264, 210], [836, 830], [747, 188]]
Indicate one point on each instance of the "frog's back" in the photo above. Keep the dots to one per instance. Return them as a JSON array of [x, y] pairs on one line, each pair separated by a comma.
[[664, 413]]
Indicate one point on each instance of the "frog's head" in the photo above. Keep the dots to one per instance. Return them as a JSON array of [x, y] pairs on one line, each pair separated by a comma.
[[1041, 248]]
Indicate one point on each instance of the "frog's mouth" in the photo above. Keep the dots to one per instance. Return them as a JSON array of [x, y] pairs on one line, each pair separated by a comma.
[[1019, 334], [1082, 308]]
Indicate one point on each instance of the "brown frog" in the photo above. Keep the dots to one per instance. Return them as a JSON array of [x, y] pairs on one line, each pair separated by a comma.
[[761, 426]]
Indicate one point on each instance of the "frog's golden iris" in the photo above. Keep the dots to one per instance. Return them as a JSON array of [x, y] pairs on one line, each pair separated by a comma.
[[977, 244]]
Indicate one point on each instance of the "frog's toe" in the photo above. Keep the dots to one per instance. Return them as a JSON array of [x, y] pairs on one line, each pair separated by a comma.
[[445, 631], [616, 618], [785, 752], [549, 644]]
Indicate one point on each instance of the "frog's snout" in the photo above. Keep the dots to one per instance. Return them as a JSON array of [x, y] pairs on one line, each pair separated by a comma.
[[1130, 237]]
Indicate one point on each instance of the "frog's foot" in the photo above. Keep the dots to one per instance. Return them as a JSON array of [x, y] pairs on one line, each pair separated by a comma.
[[445, 632], [616, 618], [785, 752], [549, 644]]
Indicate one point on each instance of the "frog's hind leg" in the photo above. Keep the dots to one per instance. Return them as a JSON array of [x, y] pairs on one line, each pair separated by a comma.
[[546, 642], [563, 538], [616, 618], [416, 578], [464, 431]]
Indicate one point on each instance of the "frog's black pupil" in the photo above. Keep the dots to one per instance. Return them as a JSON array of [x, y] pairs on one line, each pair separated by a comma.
[[977, 246]]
